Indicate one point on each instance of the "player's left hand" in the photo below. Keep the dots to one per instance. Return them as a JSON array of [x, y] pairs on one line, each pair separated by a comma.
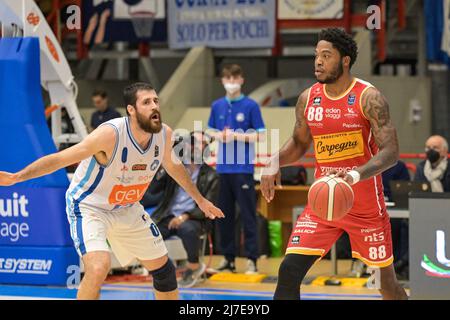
[[340, 174], [210, 210]]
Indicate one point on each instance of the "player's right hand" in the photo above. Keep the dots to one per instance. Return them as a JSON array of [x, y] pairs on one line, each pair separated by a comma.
[[269, 179], [8, 179]]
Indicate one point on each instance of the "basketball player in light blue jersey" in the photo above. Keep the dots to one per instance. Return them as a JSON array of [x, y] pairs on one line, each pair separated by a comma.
[[118, 162]]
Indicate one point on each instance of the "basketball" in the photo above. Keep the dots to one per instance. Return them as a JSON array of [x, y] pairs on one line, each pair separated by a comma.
[[330, 198]]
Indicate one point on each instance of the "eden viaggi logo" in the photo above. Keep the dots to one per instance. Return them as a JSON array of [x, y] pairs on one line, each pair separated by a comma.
[[432, 269]]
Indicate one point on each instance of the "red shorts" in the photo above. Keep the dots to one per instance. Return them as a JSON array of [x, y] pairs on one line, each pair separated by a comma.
[[370, 236]]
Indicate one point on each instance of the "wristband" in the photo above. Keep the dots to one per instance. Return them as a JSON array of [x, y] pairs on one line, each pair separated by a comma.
[[356, 176]]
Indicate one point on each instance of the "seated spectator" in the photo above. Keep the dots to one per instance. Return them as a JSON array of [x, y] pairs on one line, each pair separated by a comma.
[[104, 111], [435, 168], [179, 215]]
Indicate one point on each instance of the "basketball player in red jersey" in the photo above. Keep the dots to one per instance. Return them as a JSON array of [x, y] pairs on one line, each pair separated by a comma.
[[348, 121]]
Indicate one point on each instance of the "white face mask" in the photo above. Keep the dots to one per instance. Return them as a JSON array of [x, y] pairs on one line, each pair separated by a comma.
[[232, 88]]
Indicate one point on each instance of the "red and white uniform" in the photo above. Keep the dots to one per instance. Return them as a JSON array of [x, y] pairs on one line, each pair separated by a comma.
[[343, 140]]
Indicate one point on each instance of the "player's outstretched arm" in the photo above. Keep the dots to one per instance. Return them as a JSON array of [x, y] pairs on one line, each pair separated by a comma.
[[291, 152], [96, 142], [177, 171], [376, 109]]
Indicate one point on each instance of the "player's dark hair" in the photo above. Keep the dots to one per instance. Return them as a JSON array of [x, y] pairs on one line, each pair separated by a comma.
[[130, 93], [99, 92], [341, 41], [232, 70]]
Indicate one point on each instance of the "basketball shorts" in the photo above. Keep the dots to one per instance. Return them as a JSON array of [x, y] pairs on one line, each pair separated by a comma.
[[129, 233], [370, 236]]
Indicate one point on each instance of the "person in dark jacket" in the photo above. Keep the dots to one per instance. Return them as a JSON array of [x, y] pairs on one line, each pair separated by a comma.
[[435, 168], [177, 214]]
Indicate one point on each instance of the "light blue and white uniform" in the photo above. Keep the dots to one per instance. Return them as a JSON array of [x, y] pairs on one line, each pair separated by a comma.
[[103, 201]]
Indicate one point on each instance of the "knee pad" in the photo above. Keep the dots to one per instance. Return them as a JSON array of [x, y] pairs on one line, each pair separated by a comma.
[[164, 278]]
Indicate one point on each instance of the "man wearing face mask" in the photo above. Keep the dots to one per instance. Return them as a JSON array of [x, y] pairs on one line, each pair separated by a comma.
[[237, 123], [435, 168], [178, 214]]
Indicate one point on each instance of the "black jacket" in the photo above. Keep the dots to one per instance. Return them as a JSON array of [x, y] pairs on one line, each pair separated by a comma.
[[420, 176], [207, 184]]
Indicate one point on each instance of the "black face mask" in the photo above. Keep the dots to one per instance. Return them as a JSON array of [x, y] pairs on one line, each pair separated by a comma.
[[433, 155]]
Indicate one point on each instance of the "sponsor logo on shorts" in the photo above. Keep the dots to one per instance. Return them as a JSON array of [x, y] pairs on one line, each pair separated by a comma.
[[295, 240], [375, 237], [369, 230], [306, 224], [123, 195], [154, 229], [25, 266], [139, 167], [339, 146], [308, 231]]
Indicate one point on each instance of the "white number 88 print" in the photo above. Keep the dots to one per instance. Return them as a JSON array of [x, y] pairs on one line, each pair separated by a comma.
[[315, 114], [377, 253]]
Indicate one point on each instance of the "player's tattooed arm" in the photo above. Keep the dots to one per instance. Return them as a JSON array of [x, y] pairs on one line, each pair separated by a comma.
[[376, 109]]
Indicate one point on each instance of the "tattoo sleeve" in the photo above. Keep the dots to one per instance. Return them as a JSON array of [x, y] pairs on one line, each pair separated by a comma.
[[376, 109]]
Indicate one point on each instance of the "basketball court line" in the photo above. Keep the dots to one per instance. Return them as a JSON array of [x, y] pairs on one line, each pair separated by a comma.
[[127, 292]]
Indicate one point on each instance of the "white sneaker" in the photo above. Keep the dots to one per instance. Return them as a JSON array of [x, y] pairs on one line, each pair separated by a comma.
[[251, 267]]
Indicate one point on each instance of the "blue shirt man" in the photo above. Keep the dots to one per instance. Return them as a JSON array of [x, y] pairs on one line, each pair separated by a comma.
[[237, 124]]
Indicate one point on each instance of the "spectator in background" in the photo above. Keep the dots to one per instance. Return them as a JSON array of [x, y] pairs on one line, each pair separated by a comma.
[[231, 119], [178, 214], [397, 172], [435, 168], [104, 111]]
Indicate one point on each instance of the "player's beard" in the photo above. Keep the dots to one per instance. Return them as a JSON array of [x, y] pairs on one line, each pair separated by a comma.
[[148, 124], [333, 75]]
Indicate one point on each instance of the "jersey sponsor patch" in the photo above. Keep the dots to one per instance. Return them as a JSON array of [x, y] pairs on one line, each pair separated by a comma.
[[339, 146], [123, 195]]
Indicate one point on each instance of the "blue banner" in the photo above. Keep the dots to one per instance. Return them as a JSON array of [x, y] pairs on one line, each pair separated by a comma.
[[221, 24], [39, 265], [33, 217]]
